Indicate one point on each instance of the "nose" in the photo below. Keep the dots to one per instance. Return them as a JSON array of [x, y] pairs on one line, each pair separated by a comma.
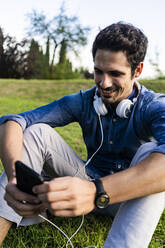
[[106, 81]]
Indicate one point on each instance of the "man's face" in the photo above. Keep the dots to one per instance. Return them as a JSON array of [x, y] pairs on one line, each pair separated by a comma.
[[112, 74]]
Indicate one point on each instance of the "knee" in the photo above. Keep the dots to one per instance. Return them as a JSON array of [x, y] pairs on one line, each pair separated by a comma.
[[39, 129], [37, 133]]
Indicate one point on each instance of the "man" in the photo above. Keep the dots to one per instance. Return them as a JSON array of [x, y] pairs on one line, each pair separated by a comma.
[[119, 119]]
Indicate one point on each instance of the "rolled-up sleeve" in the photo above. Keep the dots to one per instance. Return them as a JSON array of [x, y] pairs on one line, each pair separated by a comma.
[[17, 118], [156, 122]]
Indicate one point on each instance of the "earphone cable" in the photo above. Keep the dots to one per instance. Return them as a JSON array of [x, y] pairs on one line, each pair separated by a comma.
[[69, 239], [101, 143], [82, 221], [59, 229]]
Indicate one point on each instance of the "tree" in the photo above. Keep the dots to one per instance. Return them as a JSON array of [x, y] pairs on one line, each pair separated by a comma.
[[12, 57], [62, 53], [2, 39], [34, 60], [62, 31], [47, 54], [37, 61]]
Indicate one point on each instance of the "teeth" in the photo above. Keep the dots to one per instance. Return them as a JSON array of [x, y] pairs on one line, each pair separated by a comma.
[[108, 91]]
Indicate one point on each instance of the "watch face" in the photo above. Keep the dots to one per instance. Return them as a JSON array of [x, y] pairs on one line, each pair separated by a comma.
[[102, 201]]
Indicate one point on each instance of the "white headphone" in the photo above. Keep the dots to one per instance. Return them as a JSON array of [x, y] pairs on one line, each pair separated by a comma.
[[123, 108]]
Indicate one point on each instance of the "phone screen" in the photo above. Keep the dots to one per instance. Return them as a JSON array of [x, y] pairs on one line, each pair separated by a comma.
[[26, 177]]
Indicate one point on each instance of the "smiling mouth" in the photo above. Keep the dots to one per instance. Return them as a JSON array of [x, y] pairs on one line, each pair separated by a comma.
[[107, 93]]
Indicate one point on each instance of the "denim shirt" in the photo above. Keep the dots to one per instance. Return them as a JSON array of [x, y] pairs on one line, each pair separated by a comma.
[[122, 137]]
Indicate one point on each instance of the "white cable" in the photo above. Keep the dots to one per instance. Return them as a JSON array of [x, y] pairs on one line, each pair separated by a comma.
[[82, 221], [69, 241], [101, 143]]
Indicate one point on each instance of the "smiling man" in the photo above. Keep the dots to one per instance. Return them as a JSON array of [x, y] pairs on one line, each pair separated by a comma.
[[123, 126], [113, 76]]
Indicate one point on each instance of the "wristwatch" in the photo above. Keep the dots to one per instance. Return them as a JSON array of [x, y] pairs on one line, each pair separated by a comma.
[[102, 199]]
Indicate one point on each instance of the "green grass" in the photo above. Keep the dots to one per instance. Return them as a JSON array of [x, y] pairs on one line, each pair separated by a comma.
[[21, 95]]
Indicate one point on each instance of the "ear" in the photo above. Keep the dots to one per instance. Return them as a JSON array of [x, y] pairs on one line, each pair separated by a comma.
[[138, 70]]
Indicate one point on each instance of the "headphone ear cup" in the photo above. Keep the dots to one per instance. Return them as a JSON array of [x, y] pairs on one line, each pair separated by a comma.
[[124, 108], [99, 106]]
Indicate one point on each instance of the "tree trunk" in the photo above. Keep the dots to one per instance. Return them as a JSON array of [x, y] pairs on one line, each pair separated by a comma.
[[62, 55], [52, 62]]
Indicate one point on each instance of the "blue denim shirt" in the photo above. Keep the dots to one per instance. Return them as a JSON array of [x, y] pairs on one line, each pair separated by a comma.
[[122, 137]]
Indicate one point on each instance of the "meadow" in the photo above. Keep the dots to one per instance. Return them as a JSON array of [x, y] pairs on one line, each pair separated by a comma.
[[20, 95]]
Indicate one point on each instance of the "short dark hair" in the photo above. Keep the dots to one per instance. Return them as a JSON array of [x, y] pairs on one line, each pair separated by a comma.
[[123, 37]]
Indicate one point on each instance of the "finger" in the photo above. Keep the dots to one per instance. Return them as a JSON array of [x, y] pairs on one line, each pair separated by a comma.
[[28, 213], [19, 204], [56, 184], [14, 180], [19, 195], [62, 205], [55, 196], [23, 209]]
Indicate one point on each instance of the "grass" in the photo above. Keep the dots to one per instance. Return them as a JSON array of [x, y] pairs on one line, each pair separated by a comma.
[[21, 95], [43, 235]]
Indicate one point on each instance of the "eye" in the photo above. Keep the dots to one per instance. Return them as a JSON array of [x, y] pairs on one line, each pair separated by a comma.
[[97, 71], [115, 73]]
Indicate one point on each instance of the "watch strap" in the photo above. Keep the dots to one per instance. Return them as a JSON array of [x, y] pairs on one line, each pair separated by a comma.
[[102, 199], [99, 186]]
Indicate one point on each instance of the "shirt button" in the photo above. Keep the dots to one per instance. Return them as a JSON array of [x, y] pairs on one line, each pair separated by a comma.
[[119, 166], [114, 120], [111, 142]]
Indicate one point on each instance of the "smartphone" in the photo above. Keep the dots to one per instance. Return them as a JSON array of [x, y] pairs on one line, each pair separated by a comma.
[[27, 178]]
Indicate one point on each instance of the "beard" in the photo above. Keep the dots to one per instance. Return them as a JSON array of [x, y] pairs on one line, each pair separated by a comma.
[[110, 95]]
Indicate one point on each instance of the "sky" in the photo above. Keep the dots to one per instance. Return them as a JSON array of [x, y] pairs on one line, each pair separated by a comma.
[[148, 15]]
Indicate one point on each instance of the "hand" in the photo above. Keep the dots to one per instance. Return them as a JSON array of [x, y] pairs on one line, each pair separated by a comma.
[[67, 196], [23, 204]]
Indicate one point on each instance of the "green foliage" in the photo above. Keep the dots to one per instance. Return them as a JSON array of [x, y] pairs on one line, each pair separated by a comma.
[[64, 71], [162, 77], [21, 95], [37, 62], [155, 85], [34, 58], [62, 31], [12, 57]]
